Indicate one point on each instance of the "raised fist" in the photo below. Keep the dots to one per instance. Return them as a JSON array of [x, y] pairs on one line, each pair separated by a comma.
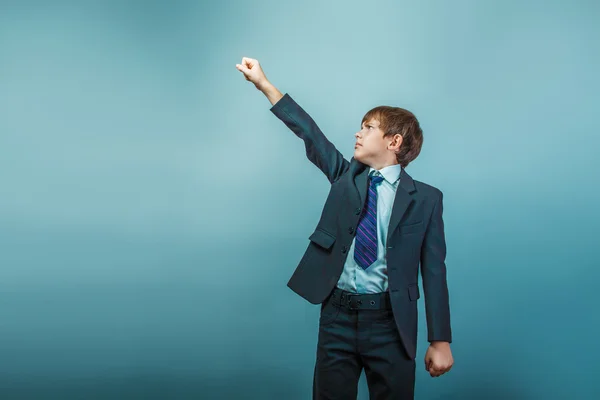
[[252, 71]]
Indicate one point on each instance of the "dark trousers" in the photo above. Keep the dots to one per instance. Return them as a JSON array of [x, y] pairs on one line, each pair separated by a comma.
[[356, 332]]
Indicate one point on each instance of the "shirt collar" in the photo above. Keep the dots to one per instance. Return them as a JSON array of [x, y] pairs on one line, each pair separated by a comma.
[[391, 173]]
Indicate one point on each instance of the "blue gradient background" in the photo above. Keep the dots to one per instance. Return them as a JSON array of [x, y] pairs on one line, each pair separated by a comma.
[[152, 208]]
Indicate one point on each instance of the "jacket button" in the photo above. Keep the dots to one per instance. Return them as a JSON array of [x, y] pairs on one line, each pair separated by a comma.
[[357, 211], [344, 250], [351, 230]]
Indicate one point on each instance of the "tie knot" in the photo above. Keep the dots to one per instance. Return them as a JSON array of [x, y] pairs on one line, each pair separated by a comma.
[[376, 178]]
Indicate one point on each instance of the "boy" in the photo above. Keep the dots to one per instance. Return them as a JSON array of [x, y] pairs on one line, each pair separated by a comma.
[[362, 262]]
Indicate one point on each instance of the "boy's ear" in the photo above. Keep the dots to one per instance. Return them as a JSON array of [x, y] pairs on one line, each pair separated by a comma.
[[398, 138]]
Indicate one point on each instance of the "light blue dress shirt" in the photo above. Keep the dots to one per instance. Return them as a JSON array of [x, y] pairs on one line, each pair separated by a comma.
[[374, 279]]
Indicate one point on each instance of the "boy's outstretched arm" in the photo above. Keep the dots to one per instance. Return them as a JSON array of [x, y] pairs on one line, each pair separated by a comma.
[[319, 150]]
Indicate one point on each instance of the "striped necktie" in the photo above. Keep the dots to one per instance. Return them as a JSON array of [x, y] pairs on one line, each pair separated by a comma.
[[365, 249]]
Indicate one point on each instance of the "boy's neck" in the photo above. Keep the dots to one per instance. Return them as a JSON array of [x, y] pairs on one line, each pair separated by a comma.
[[380, 166]]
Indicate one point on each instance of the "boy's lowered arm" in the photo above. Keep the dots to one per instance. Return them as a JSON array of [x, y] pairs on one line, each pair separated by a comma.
[[433, 273]]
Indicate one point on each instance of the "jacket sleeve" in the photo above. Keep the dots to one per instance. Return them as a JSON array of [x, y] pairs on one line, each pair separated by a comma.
[[433, 272], [319, 150]]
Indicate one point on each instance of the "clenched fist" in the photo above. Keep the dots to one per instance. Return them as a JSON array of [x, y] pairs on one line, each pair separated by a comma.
[[438, 358], [252, 72]]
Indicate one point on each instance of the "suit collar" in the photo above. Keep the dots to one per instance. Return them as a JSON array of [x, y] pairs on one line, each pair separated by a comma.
[[360, 174], [391, 173]]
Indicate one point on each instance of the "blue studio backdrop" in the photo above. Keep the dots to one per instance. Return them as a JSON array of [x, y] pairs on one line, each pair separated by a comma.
[[152, 208]]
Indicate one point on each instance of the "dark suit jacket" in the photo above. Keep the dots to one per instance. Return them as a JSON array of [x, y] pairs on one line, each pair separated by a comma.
[[415, 235]]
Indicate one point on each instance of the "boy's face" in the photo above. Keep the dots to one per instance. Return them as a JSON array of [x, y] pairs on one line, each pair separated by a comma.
[[371, 148]]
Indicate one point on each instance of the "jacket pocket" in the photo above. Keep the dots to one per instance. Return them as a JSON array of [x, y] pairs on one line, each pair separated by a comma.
[[322, 238], [413, 292]]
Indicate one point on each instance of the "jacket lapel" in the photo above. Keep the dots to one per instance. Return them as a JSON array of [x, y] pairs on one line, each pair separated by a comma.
[[402, 199], [359, 174]]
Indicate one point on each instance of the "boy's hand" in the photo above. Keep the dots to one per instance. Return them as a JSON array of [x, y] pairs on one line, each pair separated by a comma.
[[438, 358], [252, 72]]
